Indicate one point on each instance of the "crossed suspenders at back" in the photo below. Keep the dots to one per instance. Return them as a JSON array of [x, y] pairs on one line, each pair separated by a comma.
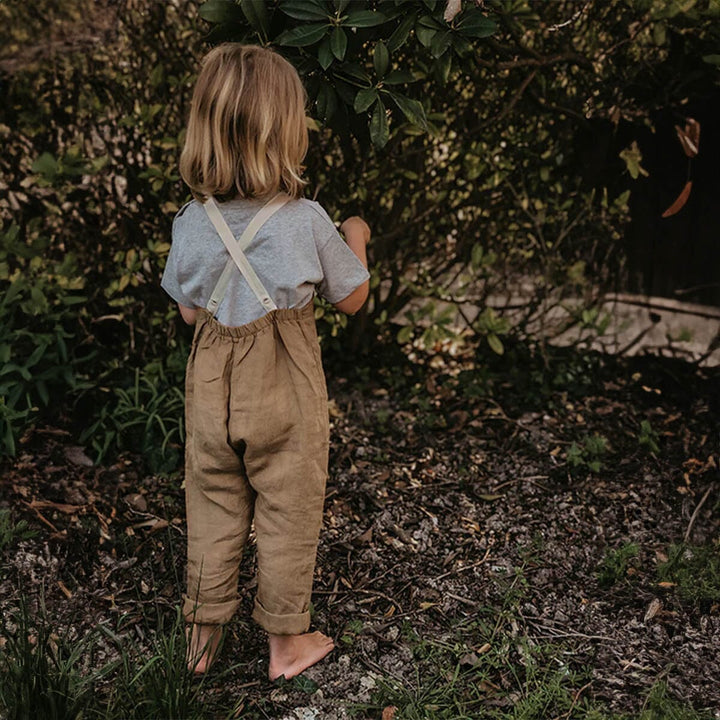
[[236, 249]]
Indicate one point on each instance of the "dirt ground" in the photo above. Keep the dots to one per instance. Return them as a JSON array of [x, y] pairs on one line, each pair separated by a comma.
[[455, 521]]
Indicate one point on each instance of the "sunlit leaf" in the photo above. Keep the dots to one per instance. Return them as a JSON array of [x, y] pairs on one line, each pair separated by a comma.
[[495, 344], [633, 157], [405, 334]]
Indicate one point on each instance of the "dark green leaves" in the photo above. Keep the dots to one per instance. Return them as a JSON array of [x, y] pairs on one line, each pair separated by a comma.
[[412, 109], [364, 18], [325, 55], [302, 35], [401, 33], [326, 102], [440, 43], [381, 59], [442, 67], [221, 11], [379, 132], [330, 39], [398, 77], [364, 99], [353, 73], [476, 25], [427, 27], [257, 15], [304, 10], [338, 43], [438, 36]]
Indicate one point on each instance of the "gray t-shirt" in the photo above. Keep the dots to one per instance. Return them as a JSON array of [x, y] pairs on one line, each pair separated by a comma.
[[296, 252]]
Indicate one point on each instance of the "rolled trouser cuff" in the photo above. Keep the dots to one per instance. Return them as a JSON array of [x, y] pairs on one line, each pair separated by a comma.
[[294, 624], [209, 613]]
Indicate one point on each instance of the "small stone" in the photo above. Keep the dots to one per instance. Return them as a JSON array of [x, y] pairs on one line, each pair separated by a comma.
[[76, 455], [137, 502]]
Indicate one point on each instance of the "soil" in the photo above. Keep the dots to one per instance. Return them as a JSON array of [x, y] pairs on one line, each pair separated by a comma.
[[451, 507]]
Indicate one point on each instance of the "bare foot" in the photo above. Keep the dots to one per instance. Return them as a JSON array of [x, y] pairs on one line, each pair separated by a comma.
[[291, 654], [202, 648]]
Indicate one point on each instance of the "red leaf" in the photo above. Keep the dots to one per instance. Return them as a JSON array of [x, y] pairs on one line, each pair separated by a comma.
[[680, 201]]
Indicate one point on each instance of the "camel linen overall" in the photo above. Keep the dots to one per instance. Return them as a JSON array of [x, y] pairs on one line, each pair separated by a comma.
[[256, 450]]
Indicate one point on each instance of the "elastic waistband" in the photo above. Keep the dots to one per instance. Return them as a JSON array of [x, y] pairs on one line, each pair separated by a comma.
[[305, 313]]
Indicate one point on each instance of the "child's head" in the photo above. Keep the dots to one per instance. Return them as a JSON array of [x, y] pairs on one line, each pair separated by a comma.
[[246, 134]]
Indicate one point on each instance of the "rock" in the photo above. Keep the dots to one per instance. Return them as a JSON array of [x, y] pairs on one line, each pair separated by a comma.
[[76, 455], [136, 502]]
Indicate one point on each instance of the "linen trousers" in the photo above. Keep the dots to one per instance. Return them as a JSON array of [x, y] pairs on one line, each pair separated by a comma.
[[257, 438]]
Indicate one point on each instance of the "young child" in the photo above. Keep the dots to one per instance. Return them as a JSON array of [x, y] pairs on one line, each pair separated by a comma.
[[244, 270]]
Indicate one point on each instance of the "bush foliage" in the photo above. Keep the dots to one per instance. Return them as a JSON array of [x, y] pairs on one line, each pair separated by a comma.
[[462, 131]]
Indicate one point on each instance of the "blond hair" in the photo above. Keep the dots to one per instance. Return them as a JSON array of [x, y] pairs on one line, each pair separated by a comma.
[[246, 133]]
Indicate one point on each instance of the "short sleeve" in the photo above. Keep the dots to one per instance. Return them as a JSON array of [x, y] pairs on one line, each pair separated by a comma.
[[342, 270], [170, 282]]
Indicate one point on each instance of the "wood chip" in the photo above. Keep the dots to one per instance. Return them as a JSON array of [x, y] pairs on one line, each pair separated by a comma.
[[653, 609]]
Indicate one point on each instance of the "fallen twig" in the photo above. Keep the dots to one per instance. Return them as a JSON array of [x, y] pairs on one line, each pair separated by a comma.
[[697, 510]]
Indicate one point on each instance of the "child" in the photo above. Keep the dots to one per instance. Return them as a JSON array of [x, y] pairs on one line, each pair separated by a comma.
[[244, 270]]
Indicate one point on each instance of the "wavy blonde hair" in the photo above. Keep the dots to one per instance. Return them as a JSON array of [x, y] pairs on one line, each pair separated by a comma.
[[246, 133]]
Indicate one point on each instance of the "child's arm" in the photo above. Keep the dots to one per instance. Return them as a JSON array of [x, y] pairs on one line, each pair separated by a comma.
[[188, 314], [357, 234]]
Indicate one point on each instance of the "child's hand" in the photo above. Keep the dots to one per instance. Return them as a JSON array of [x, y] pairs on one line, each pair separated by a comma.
[[355, 228]]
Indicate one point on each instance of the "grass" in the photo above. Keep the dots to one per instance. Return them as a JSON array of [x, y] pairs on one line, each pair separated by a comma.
[[614, 566], [147, 416], [695, 569], [11, 532], [490, 671], [483, 667], [40, 671], [44, 674], [484, 671], [658, 705], [513, 679]]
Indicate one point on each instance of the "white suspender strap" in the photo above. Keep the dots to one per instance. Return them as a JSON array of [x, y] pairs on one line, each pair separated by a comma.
[[236, 248]]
